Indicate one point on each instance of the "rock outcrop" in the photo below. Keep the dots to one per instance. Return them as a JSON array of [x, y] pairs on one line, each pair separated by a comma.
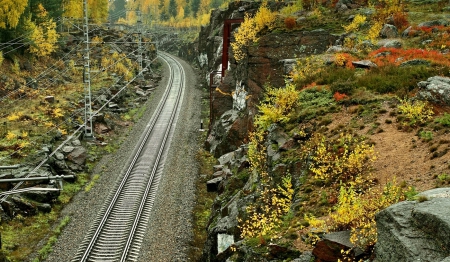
[[436, 89], [415, 230]]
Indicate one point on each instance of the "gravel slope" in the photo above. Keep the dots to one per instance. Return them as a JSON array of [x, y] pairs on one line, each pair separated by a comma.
[[169, 231]]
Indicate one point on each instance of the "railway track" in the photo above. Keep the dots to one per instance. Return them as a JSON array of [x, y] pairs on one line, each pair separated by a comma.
[[118, 231]]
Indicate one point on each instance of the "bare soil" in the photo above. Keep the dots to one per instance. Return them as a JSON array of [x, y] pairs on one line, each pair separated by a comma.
[[401, 153]]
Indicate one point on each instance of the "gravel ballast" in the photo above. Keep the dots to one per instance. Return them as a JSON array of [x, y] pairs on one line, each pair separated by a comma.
[[170, 226]]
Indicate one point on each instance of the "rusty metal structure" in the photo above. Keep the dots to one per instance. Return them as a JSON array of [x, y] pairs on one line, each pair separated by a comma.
[[228, 23]]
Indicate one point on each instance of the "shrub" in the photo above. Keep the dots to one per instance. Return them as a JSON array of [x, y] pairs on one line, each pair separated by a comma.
[[347, 159], [401, 20], [277, 106], [415, 112], [266, 214], [426, 135], [248, 30], [338, 96], [356, 211], [293, 8], [290, 22], [357, 22], [444, 120], [394, 79], [306, 69]]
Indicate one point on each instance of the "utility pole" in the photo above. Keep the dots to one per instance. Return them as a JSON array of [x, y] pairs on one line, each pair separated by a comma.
[[88, 130], [139, 28]]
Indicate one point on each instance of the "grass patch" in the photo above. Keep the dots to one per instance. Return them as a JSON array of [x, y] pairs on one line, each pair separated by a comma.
[[92, 183], [202, 209]]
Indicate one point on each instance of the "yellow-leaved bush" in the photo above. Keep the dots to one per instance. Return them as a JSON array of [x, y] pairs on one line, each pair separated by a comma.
[[357, 22], [356, 211], [273, 202], [43, 36], [416, 112], [277, 106], [266, 214], [249, 28], [306, 68], [347, 159]]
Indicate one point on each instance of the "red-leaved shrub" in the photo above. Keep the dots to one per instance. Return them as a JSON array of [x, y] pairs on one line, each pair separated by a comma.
[[290, 22]]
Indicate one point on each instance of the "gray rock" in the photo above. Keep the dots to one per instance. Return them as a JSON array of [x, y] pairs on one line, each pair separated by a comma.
[[218, 167], [288, 65], [76, 142], [364, 64], [49, 99], [67, 149], [416, 62], [436, 89], [59, 156], [389, 31], [330, 246], [224, 241], [440, 22], [415, 231], [335, 49], [390, 43], [213, 184], [307, 256], [78, 155], [46, 208]]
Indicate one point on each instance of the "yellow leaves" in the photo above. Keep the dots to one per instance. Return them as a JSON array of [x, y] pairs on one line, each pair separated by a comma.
[[15, 116], [1, 58], [346, 159], [277, 106], [306, 68], [356, 211], [266, 214], [57, 112], [43, 36], [416, 112], [73, 8], [10, 12], [248, 30], [374, 30], [10, 136], [357, 22], [257, 152]]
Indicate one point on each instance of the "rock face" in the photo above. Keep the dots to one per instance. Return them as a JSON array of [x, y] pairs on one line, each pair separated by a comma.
[[415, 231], [243, 83], [436, 89]]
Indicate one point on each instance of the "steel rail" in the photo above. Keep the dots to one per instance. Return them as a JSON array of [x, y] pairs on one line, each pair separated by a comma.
[[133, 181]]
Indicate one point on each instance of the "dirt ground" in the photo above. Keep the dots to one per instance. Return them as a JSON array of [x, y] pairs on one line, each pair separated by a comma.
[[402, 154]]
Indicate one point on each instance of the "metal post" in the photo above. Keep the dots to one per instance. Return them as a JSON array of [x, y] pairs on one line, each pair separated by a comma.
[[139, 28], [88, 130]]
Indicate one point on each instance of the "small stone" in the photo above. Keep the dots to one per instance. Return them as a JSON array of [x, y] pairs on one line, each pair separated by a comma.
[[59, 156], [68, 149], [49, 99]]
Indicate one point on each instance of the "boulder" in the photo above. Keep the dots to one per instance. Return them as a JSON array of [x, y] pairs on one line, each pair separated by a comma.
[[78, 155], [329, 248], [415, 231], [390, 43], [42, 196], [213, 184], [24, 207], [389, 31], [364, 64], [441, 22], [416, 62], [436, 89]]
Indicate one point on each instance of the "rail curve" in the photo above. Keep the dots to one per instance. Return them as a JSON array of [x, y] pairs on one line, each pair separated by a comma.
[[118, 231]]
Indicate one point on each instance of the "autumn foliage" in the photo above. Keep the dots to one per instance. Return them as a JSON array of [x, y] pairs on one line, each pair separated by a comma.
[[290, 22], [396, 56]]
